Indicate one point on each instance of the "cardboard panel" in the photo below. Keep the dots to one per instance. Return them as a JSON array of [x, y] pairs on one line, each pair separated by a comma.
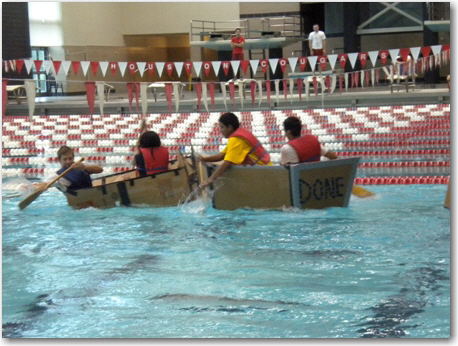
[[447, 197], [252, 187]]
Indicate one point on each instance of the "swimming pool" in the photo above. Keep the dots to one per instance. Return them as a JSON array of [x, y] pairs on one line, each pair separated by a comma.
[[379, 268]]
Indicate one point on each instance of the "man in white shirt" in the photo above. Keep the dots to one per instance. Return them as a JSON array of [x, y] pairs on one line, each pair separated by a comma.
[[317, 41]]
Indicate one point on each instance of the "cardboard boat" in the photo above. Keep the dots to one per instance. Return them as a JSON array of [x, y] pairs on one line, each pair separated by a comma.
[[314, 185], [159, 190]]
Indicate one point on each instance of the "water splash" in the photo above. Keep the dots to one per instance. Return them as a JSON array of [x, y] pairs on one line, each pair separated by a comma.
[[19, 187]]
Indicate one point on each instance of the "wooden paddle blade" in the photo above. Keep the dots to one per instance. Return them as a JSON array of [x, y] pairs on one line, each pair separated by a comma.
[[29, 199], [361, 192]]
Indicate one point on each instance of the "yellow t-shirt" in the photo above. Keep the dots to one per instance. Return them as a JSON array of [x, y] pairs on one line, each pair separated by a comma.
[[236, 151]]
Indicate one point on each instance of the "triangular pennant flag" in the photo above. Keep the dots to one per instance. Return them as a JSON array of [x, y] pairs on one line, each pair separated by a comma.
[[103, 67], [122, 67], [425, 51], [415, 51], [253, 92], [352, 57], [100, 92], [28, 65], [292, 63], [384, 56], [38, 64], [75, 67], [169, 68], [394, 54], [235, 66], [445, 47], [90, 95], [312, 61], [254, 66], [204, 94], [31, 91], [436, 49], [332, 60], [179, 68], [226, 65], [342, 59], [168, 95], [150, 67], [207, 68], [66, 66], [141, 68], [20, 65], [211, 89], [322, 61], [264, 64], [113, 67], [273, 64], [244, 64], [132, 66], [4, 96], [373, 55], [85, 67], [404, 52], [47, 64], [362, 58], [95, 67], [303, 63], [283, 62], [223, 90], [188, 68], [216, 66], [197, 67], [160, 68]]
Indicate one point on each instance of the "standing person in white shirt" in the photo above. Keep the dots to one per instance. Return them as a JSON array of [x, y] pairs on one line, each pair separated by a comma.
[[317, 41]]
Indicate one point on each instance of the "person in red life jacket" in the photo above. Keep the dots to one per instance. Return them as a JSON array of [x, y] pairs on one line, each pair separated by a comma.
[[151, 157], [301, 149], [237, 43], [243, 148], [77, 178]]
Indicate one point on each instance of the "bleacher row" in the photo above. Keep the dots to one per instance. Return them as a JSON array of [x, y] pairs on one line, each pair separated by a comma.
[[413, 133]]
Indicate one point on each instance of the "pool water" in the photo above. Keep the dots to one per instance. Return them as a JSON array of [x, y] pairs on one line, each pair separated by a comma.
[[379, 268]]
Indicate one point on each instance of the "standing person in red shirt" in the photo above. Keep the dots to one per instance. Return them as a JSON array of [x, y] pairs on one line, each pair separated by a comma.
[[237, 44]]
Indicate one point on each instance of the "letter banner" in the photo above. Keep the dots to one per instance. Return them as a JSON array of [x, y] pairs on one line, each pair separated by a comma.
[[207, 67], [322, 60], [132, 67], [113, 67], [362, 58], [264, 64], [169, 67], [94, 67], [188, 68], [342, 59], [404, 53], [244, 64], [226, 65], [179, 68], [150, 67], [383, 56], [303, 63], [283, 62]]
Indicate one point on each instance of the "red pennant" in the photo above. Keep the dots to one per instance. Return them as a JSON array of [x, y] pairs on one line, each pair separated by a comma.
[[20, 64], [132, 66], [226, 65], [199, 94], [264, 65], [322, 61], [444, 48], [268, 91], [283, 62], [342, 59], [94, 67], [211, 89], [150, 67], [232, 91], [383, 54], [328, 83], [244, 65], [113, 67], [357, 79], [285, 88], [404, 52], [169, 67], [299, 88], [303, 63], [367, 78], [207, 67], [38, 64], [253, 91], [362, 58], [340, 83], [90, 95], [377, 75], [168, 94], [425, 51], [352, 79], [188, 68], [75, 66], [4, 95], [56, 64]]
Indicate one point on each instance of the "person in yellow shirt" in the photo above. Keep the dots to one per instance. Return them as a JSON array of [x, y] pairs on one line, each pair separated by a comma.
[[243, 148]]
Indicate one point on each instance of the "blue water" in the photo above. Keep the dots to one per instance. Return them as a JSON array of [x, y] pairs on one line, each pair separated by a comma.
[[379, 268]]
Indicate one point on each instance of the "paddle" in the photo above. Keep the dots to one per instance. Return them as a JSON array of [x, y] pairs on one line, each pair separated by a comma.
[[361, 192], [29, 199]]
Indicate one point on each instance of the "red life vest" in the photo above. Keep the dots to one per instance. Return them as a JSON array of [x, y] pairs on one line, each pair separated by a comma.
[[257, 148], [156, 159], [307, 148]]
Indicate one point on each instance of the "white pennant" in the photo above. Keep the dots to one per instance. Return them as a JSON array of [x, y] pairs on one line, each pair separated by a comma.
[[223, 90], [293, 62], [141, 68], [291, 88], [144, 95], [373, 55], [85, 66], [235, 66], [204, 95], [312, 61], [363, 73], [216, 66], [47, 64], [394, 54], [332, 60], [176, 93], [260, 92], [31, 91], [101, 94], [160, 68], [103, 67], [254, 65], [277, 90], [241, 90], [415, 52], [346, 81], [436, 49], [273, 64], [28, 65], [352, 57], [66, 66], [333, 83], [179, 68], [122, 67], [373, 77]]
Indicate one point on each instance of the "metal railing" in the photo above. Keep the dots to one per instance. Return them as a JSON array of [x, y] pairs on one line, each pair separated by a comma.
[[290, 26], [204, 28], [438, 10]]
